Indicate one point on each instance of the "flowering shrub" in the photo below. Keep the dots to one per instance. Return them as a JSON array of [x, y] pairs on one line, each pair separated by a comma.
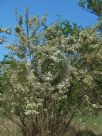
[[50, 77]]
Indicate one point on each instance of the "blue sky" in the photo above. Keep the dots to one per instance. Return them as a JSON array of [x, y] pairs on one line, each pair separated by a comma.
[[68, 9]]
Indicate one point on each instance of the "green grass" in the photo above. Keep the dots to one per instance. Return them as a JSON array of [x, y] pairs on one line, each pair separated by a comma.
[[92, 122]]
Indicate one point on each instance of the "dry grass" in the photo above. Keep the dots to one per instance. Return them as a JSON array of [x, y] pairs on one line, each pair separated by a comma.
[[7, 128]]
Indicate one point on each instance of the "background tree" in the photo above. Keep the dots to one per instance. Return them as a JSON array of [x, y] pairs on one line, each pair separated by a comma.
[[94, 6]]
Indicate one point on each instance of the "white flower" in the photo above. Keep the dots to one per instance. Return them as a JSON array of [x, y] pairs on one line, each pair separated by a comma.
[[94, 105]]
